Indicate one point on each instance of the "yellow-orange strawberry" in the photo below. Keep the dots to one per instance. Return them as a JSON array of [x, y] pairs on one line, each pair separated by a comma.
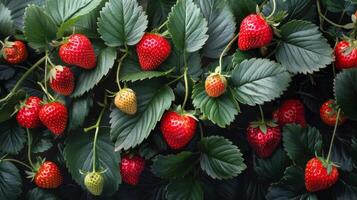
[[125, 101], [215, 85]]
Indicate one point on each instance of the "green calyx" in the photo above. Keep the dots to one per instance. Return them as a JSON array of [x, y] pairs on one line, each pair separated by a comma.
[[263, 125], [328, 164]]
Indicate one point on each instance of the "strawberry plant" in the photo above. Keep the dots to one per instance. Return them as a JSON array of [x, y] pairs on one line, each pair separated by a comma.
[[178, 99]]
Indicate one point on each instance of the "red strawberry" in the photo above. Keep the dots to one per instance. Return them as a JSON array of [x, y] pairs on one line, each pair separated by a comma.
[[254, 32], [131, 168], [28, 115], [78, 50], [320, 175], [48, 176], [263, 138], [153, 49], [346, 56], [178, 129], [54, 116], [328, 113], [62, 80], [14, 52], [292, 111], [215, 85]]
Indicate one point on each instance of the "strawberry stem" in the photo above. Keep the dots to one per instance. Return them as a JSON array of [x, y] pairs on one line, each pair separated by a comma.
[[274, 9], [17, 161], [333, 135], [29, 141], [261, 113], [162, 25], [119, 66], [176, 79], [325, 18], [186, 81], [219, 68], [19, 82], [49, 96]]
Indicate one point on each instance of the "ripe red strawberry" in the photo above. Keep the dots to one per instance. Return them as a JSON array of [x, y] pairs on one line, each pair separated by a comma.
[[28, 115], [62, 80], [177, 129], [78, 50], [292, 111], [153, 49], [263, 138], [254, 32], [14, 52], [346, 56], [54, 116], [48, 176], [131, 168], [320, 175], [328, 113], [215, 85]]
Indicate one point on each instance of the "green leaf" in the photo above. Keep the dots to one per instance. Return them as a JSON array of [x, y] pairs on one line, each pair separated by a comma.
[[173, 166], [78, 154], [221, 26], [39, 28], [187, 26], [346, 188], [158, 11], [296, 9], [122, 23], [176, 60], [6, 22], [221, 110], [184, 189], [40, 194], [10, 181], [292, 186], [259, 80], [79, 111], [271, 169], [239, 56], [6, 72], [220, 158], [346, 92], [300, 143], [66, 13], [302, 48], [89, 78], [12, 138], [130, 130], [242, 8], [7, 108], [41, 142], [131, 71]]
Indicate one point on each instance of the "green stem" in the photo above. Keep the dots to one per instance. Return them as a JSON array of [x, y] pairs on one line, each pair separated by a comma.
[[46, 66], [333, 134], [186, 80], [325, 18], [162, 25], [201, 129], [261, 113], [119, 66], [29, 141], [19, 82], [273, 12], [49, 96], [225, 51], [17, 161], [178, 78]]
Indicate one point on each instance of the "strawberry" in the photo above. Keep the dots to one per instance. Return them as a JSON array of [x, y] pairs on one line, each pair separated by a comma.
[[328, 113], [215, 85], [153, 49], [254, 32], [263, 138], [291, 111], [178, 129], [54, 116], [78, 50], [14, 52], [94, 182], [320, 175], [48, 176], [28, 115], [346, 55], [125, 101], [131, 168], [62, 80]]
